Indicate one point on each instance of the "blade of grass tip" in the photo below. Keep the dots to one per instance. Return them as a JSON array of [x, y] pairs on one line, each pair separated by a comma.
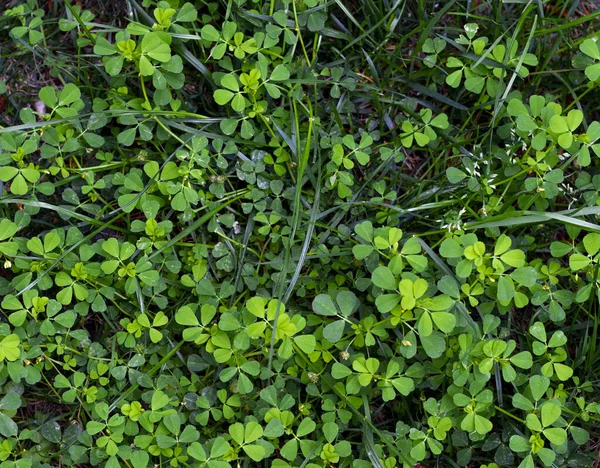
[[238, 274], [138, 293], [434, 95], [377, 25], [368, 438], [197, 64], [570, 24], [309, 456], [302, 163], [309, 231], [521, 218], [219, 232], [423, 207], [372, 67], [349, 15], [498, 383], [289, 141], [81, 23], [48, 206], [452, 463], [500, 102], [576, 100], [488, 51]]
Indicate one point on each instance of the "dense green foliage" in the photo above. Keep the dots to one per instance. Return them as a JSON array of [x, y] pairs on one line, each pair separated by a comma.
[[299, 234]]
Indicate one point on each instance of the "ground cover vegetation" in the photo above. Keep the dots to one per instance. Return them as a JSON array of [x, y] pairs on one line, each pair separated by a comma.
[[312, 233]]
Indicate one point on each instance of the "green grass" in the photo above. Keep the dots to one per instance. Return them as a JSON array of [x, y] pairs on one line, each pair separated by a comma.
[[280, 188]]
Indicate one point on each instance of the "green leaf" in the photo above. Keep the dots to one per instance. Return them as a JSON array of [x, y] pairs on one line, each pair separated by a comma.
[[8, 428], [590, 48], [9, 348], [140, 459], [237, 433], [364, 230], [274, 429], [103, 47], [220, 447], [502, 245], [538, 384], [196, 451], [154, 47], [434, 344], [578, 262], [126, 137], [289, 451], [306, 426], [445, 321], [306, 343], [187, 13], [94, 427], [209, 33], [521, 402], [114, 65], [514, 258], [455, 175], [48, 96], [69, 94], [362, 251], [230, 82], [558, 124], [591, 242], [252, 432], [550, 413], [580, 435], [556, 435], [339, 371], [159, 400], [533, 422], [323, 305], [525, 276], [347, 302], [404, 385], [592, 72], [519, 444], [482, 425], [522, 360], [111, 247], [425, 325], [222, 96], [386, 302], [450, 249], [18, 185], [330, 431], [453, 79], [280, 73], [516, 107], [506, 289], [383, 278], [146, 67], [334, 331], [563, 372]]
